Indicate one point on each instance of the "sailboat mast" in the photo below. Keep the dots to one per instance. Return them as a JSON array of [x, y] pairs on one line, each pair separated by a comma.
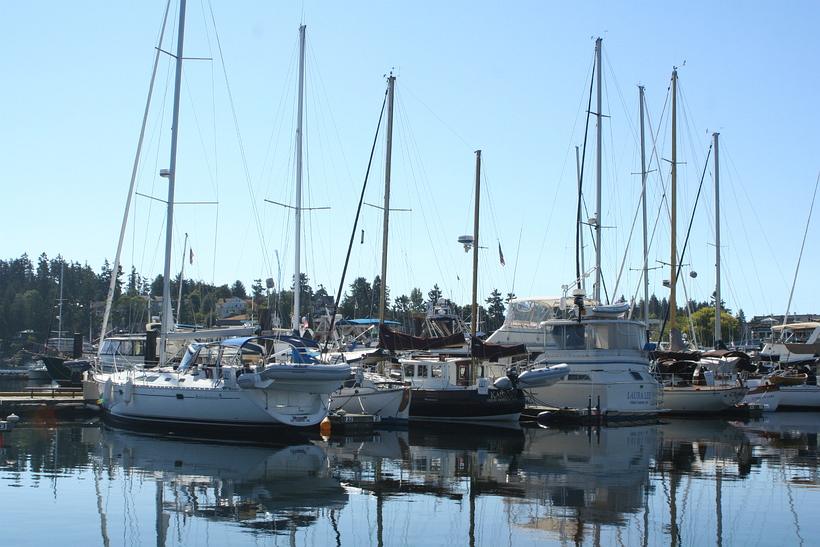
[[181, 277], [388, 158], [718, 336], [597, 289], [582, 280], [172, 173], [643, 201], [297, 274], [673, 260], [474, 316], [60, 320]]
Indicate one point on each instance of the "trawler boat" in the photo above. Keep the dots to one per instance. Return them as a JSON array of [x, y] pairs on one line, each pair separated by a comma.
[[793, 343], [444, 390], [606, 355], [246, 384]]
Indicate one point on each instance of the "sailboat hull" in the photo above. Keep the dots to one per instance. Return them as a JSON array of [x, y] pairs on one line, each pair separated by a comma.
[[200, 405], [391, 405], [697, 400]]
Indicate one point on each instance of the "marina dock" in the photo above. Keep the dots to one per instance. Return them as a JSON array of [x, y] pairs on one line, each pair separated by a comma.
[[45, 403]]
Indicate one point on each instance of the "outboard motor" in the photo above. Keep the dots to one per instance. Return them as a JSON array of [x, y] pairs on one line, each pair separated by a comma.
[[510, 381]]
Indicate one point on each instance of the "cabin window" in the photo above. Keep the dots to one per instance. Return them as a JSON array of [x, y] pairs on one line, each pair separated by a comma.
[[624, 336], [139, 347], [568, 336], [437, 371], [636, 375], [126, 348], [421, 372], [408, 371]]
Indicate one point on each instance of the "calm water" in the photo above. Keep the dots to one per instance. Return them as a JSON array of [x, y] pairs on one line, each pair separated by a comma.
[[683, 482]]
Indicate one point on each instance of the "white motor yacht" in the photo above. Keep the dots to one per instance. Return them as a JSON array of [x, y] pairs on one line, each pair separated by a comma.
[[606, 355], [793, 343]]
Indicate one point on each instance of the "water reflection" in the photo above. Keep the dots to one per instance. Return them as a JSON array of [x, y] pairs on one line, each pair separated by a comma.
[[683, 482], [270, 488]]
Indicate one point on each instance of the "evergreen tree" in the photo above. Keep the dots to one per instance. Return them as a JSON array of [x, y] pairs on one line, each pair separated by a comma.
[[434, 294], [416, 300], [495, 310], [238, 290]]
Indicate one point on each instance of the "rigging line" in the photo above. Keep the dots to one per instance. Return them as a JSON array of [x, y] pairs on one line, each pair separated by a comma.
[[517, 255], [732, 187], [113, 282], [156, 134], [324, 144], [192, 105], [578, 225], [612, 76], [277, 122], [321, 86], [613, 206], [409, 145], [254, 209], [591, 68], [355, 224], [800, 256], [628, 242], [686, 241], [656, 156], [215, 178], [413, 156], [213, 94], [751, 206], [405, 87], [490, 202]]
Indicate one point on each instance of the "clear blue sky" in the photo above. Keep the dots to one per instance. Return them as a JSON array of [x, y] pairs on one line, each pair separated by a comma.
[[509, 78]]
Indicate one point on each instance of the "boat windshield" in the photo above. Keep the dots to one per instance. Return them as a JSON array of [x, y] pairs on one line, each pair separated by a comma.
[[612, 335], [190, 357], [529, 313], [123, 347], [109, 347]]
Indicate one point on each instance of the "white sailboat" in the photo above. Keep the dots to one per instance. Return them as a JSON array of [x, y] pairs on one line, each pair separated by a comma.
[[241, 384], [709, 385]]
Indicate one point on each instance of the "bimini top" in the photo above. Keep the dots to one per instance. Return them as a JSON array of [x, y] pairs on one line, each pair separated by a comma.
[[795, 326]]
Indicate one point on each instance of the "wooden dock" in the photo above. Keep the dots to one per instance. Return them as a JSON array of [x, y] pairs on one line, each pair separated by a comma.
[[46, 403]]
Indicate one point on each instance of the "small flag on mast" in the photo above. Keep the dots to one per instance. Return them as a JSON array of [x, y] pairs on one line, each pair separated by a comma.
[[501, 255], [190, 256]]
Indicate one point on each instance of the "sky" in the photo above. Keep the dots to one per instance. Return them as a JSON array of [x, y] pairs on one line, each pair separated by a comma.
[[509, 78]]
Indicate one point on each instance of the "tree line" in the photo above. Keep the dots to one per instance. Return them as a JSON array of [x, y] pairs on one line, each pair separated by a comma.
[[30, 300], [30, 292]]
